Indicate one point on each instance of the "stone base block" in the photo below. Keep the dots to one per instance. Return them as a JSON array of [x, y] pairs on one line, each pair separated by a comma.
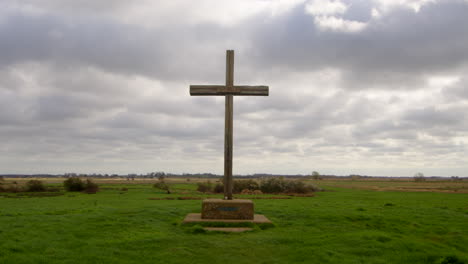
[[236, 209]]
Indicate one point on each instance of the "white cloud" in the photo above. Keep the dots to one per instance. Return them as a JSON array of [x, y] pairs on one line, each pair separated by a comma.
[[325, 7], [415, 5], [338, 24], [441, 81], [327, 16], [375, 13], [279, 7]]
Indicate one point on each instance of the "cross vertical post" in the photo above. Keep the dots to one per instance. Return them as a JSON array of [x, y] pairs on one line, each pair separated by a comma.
[[228, 126], [228, 91]]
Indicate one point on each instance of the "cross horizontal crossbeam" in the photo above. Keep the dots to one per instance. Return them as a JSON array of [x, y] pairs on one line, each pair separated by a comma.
[[259, 90], [228, 90]]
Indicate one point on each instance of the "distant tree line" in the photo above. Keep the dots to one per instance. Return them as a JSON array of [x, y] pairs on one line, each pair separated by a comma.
[[314, 175]]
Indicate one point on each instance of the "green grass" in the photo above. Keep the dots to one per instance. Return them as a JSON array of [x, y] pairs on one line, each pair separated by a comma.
[[339, 226]]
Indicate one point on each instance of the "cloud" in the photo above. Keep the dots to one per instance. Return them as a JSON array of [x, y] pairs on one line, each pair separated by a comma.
[[415, 5], [326, 16], [457, 90], [325, 7], [386, 54], [371, 86], [339, 24]]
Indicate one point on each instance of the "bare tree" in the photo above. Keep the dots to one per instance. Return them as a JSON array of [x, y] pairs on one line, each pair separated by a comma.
[[419, 177]]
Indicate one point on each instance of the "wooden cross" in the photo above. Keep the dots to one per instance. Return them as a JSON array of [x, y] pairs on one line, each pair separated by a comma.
[[228, 91]]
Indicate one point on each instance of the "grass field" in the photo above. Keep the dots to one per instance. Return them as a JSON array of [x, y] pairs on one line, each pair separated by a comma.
[[350, 222]]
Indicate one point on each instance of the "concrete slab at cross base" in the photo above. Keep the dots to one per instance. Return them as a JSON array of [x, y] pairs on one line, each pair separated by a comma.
[[229, 229], [227, 209], [196, 218]]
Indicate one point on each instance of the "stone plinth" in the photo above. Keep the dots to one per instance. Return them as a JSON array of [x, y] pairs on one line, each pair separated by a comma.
[[236, 209]]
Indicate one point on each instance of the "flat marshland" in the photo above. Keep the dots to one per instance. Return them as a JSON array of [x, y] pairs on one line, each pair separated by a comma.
[[352, 221]]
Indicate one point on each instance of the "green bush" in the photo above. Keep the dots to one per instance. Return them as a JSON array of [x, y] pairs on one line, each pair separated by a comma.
[[12, 188], [204, 187], [74, 184], [35, 186], [280, 185], [162, 186], [219, 188], [298, 187], [240, 185], [91, 187], [270, 185]]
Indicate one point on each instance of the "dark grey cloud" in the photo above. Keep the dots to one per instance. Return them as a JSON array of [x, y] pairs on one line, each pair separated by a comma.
[[100, 43], [107, 44]]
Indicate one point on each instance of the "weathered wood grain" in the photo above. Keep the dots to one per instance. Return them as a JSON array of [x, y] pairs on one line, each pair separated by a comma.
[[228, 90], [228, 127], [220, 90]]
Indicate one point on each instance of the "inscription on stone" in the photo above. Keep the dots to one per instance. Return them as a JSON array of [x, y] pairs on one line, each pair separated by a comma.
[[228, 209]]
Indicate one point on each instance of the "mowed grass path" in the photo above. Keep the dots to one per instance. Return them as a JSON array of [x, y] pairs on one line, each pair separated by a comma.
[[336, 226]]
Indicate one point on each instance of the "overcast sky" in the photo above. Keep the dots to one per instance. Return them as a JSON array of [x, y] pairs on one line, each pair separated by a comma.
[[356, 87]]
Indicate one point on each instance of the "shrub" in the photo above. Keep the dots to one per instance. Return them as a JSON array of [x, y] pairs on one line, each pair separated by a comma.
[[35, 186], [272, 185], [240, 185], [299, 187], [162, 186], [91, 187], [219, 188], [204, 187], [280, 185], [247, 191], [74, 184], [12, 188]]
